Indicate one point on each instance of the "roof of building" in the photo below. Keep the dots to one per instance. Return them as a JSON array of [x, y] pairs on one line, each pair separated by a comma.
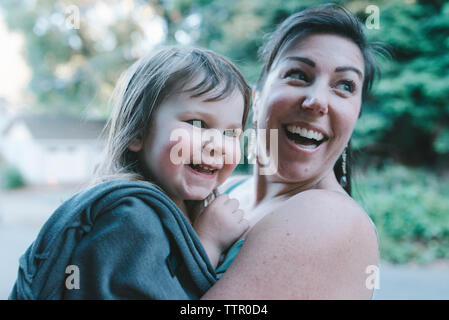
[[55, 126]]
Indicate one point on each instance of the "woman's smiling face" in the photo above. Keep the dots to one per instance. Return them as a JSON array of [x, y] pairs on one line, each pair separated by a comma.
[[312, 96]]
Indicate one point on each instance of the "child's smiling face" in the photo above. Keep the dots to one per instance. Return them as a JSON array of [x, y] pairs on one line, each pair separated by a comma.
[[209, 162]]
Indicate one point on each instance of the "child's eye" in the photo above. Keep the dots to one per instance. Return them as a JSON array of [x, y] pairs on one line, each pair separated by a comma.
[[232, 132], [197, 123], [346, 85], [296, 74]]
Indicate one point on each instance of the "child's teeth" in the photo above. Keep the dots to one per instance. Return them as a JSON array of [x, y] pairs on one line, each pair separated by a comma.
[[205, 168]]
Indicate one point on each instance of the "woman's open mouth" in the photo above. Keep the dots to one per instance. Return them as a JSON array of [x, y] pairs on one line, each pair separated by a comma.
[[307, 139]]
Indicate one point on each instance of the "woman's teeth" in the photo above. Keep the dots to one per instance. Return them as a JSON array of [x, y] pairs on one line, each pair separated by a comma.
[[203, 168], [308, 139], [310, 134]]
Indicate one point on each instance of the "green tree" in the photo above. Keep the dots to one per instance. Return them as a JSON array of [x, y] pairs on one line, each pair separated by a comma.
[[74, 68], [406, 118]]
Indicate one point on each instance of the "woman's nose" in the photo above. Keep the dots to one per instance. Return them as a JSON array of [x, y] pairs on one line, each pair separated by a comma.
[[316, 101]]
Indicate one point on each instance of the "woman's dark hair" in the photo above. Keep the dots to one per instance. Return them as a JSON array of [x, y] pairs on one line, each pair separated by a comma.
[[325, 19]]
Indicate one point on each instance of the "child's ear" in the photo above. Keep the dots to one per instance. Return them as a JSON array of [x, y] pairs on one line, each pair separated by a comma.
[[136, 144], [255, 98]]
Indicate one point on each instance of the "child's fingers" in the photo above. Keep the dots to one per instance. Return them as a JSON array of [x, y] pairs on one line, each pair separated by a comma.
[[232, 204], [244, 224], [223, 202], [238, 214], [220, 200]]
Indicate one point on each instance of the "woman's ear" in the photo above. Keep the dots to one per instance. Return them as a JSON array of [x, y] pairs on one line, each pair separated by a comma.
[[255, 98], [136, 144]]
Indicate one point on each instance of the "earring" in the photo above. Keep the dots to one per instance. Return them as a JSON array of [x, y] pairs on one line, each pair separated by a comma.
[[343, 179]]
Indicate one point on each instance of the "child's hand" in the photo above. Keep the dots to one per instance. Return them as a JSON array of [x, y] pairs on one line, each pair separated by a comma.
[[220, 225]]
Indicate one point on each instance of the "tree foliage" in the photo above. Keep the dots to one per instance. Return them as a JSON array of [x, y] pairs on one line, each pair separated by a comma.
[[75, 67], [406, 118]]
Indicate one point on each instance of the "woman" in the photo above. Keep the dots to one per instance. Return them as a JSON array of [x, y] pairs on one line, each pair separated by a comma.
[[308, 239]]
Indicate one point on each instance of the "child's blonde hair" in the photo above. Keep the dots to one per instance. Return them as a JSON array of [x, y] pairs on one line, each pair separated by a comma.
[[143, 88]]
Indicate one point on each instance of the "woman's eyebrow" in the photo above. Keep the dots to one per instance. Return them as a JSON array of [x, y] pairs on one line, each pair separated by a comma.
[[349, 68], [302, 59], [312, 64]]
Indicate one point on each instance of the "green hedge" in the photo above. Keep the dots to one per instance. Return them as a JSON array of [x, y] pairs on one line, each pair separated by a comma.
[[410, 208], [10, 178]]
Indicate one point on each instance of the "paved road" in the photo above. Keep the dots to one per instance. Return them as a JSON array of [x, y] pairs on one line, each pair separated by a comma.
[[18, 228], [22, 214], [14, 240], [412, 282]]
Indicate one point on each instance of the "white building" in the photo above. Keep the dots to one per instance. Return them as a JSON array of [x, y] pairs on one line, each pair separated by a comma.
[[52, 149], [5, 115]]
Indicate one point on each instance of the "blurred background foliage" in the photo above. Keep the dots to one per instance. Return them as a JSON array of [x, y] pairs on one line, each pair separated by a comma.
[[401, 141], [410, 209]]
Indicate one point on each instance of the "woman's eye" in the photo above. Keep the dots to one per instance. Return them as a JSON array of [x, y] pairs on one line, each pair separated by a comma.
[[296, 75], [232, 132], [197, 123], [346, 85]]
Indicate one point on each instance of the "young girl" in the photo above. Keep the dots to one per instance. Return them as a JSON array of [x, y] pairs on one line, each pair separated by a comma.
[[131, 235], [190, 99]]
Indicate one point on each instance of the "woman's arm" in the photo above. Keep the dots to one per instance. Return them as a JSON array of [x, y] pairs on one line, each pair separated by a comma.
[[317, 246]]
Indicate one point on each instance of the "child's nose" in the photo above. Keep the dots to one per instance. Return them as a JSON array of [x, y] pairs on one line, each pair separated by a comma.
[[213, 148], [224, 151], [213, 151]]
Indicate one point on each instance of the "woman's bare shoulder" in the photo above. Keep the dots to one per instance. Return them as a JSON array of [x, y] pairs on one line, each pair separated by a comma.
[[324, 205], [318, 245], [332, 219]]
